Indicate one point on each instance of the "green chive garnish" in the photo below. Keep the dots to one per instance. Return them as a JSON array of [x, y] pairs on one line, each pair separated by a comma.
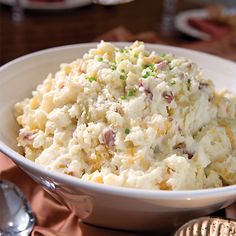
[[151, 66], [173, 82], [146, 74], [122, 77], [136, 55], [113, 66], [188, 83], [100, 59], [127, 131], [91, 79], [122, 97], [130, 93]]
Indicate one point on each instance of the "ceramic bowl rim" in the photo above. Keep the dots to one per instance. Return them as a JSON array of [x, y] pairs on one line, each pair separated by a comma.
[[116, 190]]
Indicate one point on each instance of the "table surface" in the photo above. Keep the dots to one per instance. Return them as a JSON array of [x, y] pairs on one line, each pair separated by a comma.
[[45, 29]]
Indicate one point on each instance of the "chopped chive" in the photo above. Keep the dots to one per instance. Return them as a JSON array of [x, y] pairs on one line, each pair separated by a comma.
[[136, 55], [113, 66], [91, 79], [123, 71], [122, 50], [146, 74], [130, 93], [100, 59], [122, 97], [134, 89], [173, 82], [151, 66], [188, 83], [127, 131], [122, 77]]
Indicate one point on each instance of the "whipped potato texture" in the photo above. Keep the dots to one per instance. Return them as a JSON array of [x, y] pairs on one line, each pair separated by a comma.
[[133, 118]]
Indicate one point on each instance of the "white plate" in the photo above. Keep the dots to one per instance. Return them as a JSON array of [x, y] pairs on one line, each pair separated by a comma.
[[181, 22], [66, 4]]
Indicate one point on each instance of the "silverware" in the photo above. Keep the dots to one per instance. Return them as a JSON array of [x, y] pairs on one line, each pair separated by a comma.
[[16, 216]]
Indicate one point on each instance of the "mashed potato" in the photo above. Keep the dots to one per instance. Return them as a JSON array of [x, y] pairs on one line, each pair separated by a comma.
[[134, 118]]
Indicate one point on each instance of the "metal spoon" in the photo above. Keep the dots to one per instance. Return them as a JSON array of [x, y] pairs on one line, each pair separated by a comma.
[[16, 217]]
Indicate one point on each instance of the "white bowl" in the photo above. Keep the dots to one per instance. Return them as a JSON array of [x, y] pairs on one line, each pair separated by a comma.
[[97, 204]]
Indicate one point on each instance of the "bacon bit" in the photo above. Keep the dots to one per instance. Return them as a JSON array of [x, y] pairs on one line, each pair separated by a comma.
[[28, 136], [160, 66], [74, 132], [168, 96], [147, 91], [118, 110], [109, 138], [61, 86], [81, 71], [141, 84], [190, 155], [149, 94], [179, 146], [202, 85]]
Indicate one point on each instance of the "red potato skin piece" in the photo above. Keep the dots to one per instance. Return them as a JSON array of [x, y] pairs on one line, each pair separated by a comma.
[[109, 138]]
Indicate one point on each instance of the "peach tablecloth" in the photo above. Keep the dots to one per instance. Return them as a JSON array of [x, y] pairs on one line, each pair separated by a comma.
[[52, 219]]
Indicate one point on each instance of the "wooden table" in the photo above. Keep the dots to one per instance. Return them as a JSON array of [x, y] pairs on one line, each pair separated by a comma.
[[45, 29]]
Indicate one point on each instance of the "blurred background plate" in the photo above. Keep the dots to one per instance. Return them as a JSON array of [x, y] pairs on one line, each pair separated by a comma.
[[182, 22], [44, 5]]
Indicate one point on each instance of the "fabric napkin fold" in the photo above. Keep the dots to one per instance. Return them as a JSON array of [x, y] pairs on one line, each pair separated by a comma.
[[52, 219]]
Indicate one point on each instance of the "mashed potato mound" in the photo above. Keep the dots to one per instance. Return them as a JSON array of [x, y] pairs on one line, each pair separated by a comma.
[[133, 118]]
